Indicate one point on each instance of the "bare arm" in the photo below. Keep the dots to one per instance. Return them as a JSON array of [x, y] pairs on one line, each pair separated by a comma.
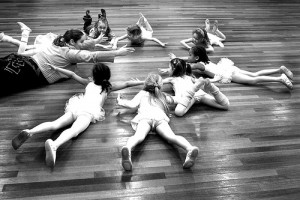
[[115, 44], [131, 83], [70, 74], [78, 56], [133, 103], [185, 41]]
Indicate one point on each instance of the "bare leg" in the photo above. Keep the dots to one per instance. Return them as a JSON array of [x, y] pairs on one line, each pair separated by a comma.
[[186, 102], [282, 70], [24, 39], [24, 135], [146, 23], [9, 39], [166, 132], [245, 79], [261, 72], [80, 124], [219, 101], [61, 122], [142, 130], [217, 32]]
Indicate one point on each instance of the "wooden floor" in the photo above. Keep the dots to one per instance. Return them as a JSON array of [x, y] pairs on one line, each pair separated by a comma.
[[251, 151]]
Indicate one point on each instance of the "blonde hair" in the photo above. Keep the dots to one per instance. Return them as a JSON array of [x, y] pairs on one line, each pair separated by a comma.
[[153, 84]]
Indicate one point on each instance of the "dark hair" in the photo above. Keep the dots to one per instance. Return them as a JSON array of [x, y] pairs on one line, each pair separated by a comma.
[[134, 30], [200, 52], [73, 34], [202, 35], [178, 66], [101, 76]]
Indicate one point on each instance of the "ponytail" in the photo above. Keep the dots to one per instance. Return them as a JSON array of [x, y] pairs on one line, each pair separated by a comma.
[[69, 35], [153, 85], [101, 76]]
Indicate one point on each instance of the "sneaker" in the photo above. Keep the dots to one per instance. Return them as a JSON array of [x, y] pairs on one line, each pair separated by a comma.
[[190, 158], [287, 72], [126, 158], [286, 81], [18, 140], [50, 153]]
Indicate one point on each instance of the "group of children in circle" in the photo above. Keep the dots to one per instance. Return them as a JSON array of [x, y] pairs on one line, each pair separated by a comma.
[[151, 103]]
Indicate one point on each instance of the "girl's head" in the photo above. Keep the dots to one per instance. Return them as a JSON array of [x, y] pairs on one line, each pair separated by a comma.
[[153, 84], [198, 54], [71, 37], [200, 37], [177, 67], [101, 76], [134, 32], [102, 24]]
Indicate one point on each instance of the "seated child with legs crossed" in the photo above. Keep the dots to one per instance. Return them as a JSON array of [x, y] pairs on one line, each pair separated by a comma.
[[137, 34], [101, 26], [80, 110], [152, 115]]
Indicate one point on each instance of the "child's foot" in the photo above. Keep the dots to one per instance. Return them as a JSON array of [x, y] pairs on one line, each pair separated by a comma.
[[286, 81], [50, 153], [207, 25], [215, 26], [283, 69], [210, 87], [18, 140], [126, 158], [23, 27], [103, 12], [190, 157]]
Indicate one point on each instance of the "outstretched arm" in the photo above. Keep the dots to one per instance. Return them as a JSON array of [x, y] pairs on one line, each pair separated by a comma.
[[184, 42], [115, 42], [70, 74], [133, 103], [131, 83]]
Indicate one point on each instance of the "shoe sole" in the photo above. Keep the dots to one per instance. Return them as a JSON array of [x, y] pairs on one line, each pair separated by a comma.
[[127, 165], [190, 163], [49, 155], [19, 139]]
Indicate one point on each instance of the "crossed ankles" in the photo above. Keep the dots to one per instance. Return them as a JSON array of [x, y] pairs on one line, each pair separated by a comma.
[[190, 157], [283, 69]]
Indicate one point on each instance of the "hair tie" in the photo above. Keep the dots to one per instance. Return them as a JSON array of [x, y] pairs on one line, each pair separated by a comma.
[[62, 39]]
